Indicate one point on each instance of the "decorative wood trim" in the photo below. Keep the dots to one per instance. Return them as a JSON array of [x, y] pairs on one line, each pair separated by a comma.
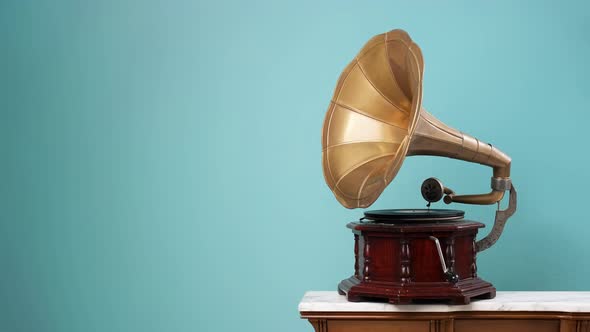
[[448, 325], [567, 325], [319, 325], [356, 255], [474, 261], [442, 324], [405, 261], [570, 325], [435, 326], [451, 315], [367, 256], [450, 252], [583, 326]]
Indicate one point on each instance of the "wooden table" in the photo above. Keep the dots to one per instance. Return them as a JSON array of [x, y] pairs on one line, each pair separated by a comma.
[[509, 311]]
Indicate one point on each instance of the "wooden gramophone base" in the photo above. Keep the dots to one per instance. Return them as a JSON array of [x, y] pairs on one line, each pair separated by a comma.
[[460, 293], [399, 263]]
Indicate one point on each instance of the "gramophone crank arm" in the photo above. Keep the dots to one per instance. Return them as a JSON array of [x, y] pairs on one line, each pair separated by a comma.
[[451, 276]]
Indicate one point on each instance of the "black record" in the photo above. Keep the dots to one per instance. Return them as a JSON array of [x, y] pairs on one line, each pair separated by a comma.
[[413, 215]]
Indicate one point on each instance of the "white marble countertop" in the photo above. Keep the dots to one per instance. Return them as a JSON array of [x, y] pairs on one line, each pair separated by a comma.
[[324, 301]]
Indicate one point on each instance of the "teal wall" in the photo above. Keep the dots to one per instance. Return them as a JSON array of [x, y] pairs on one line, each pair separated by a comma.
[[161, 159]]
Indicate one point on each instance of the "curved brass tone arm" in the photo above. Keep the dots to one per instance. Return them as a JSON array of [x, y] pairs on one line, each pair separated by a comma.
[[479, 199], [499, 187]]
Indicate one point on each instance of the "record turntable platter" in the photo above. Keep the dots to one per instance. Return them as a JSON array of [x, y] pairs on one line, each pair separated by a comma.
[[413, 215]]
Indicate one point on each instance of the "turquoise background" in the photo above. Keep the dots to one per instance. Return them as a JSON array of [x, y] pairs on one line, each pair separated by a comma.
[[161, 159]]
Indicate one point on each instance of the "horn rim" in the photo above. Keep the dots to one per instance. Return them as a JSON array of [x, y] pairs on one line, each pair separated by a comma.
[[413, 50]]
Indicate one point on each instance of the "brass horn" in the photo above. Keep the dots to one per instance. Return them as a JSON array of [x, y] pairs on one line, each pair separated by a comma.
[[376, 119]]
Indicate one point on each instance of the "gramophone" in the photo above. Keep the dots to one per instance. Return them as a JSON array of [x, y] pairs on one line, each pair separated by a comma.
[[375, 120]]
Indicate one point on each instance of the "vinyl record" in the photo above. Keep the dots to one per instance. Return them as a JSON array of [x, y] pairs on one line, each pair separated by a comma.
[[413, 215]]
